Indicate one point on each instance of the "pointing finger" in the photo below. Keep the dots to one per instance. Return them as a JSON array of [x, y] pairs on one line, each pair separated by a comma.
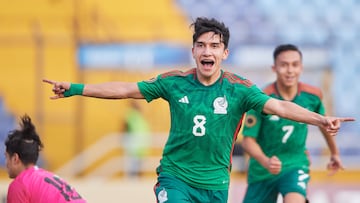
[[346, 119], [48, 81]]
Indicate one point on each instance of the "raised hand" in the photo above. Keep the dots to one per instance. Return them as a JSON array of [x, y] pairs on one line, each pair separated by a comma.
[[58, 88], [332, 124]]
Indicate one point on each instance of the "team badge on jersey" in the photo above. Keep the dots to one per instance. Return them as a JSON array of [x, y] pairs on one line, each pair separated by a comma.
[[250, 121], [220, 105]]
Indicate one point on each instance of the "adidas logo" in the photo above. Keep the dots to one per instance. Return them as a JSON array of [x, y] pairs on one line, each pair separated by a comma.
[[184, 100]]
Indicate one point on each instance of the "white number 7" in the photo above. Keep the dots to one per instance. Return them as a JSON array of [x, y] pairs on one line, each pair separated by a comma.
[[288, 129]]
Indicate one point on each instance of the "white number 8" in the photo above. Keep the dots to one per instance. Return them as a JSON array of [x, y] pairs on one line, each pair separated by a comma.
[[199, 128]]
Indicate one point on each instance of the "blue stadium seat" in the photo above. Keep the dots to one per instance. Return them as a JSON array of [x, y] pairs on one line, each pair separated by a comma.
[[7, 123], [319, 5]]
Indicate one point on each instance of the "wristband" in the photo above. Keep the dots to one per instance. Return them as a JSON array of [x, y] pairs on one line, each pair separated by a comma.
[[75, 89]]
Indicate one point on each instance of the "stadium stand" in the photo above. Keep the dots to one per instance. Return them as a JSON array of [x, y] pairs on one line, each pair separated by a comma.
[[41, 41]]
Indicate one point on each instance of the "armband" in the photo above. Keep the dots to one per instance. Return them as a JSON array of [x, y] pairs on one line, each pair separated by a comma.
[[75, 89]]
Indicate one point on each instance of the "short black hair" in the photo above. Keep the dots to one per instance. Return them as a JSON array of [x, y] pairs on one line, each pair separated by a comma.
[[25, 142], [203, 25], [285, 47]]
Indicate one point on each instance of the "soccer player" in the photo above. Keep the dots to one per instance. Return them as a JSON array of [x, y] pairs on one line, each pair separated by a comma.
[[206, 107], [279, 163], [32, 184]]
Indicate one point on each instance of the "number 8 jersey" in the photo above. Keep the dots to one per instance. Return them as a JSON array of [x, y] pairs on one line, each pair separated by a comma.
[[205, 121]]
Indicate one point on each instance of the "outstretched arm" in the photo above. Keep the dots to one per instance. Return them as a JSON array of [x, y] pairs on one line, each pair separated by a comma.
[[107, 90], [297, 113], [273, 164]]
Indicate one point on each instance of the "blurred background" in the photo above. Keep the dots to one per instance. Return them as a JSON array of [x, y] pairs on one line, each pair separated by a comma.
[[90, 41]]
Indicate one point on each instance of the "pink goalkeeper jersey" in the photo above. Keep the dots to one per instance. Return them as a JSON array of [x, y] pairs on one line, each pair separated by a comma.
[[36, 185]]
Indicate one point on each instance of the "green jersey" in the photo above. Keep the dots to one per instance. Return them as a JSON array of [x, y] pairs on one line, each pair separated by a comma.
[[205, 121], [281, 137]]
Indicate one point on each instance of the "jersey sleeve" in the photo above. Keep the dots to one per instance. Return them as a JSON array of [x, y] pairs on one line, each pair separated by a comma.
[[252, 124], [256, 99], [153, 88], [321, 108], [17, 193]]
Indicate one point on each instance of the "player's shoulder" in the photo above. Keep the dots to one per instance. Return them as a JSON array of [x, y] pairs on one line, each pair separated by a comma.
[[310, 89], [178, 73], [236, 79], [270, 89]]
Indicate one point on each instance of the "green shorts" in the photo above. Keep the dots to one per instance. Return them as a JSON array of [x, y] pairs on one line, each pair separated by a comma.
[[295, 180], [170, 189]]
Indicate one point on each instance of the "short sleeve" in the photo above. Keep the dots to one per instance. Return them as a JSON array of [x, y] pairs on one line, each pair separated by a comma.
[[154, 88], [321, 108], [252, 124], [256, 99], [17, 193]]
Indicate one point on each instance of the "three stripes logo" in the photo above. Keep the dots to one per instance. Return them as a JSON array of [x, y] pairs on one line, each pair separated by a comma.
[[184, 100]]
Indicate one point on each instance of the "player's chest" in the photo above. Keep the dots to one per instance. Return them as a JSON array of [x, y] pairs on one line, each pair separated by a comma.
[[201, 100]]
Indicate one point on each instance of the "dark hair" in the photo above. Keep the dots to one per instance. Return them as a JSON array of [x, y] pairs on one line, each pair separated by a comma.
[[25, 142], [285, 47], [203, 25]]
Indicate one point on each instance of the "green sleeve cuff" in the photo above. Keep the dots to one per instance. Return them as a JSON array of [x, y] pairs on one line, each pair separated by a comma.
[[75, 89]]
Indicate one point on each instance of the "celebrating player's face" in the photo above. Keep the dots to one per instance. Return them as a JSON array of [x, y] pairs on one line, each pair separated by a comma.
[[208, 52], [288, 67]]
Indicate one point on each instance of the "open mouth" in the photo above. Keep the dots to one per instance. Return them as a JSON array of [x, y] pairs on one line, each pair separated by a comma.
[[207, 62]]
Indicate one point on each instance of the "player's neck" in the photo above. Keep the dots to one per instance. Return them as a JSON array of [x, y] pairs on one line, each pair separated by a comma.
[[208, 80], [287, 92]]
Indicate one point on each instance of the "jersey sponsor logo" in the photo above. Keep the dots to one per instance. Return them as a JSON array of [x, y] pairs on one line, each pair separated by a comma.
[[250, 121], [162, 196], [220, 105], [184, 100]]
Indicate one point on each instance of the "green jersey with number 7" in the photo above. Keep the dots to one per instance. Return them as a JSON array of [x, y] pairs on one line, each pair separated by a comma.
[[281, 137]]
